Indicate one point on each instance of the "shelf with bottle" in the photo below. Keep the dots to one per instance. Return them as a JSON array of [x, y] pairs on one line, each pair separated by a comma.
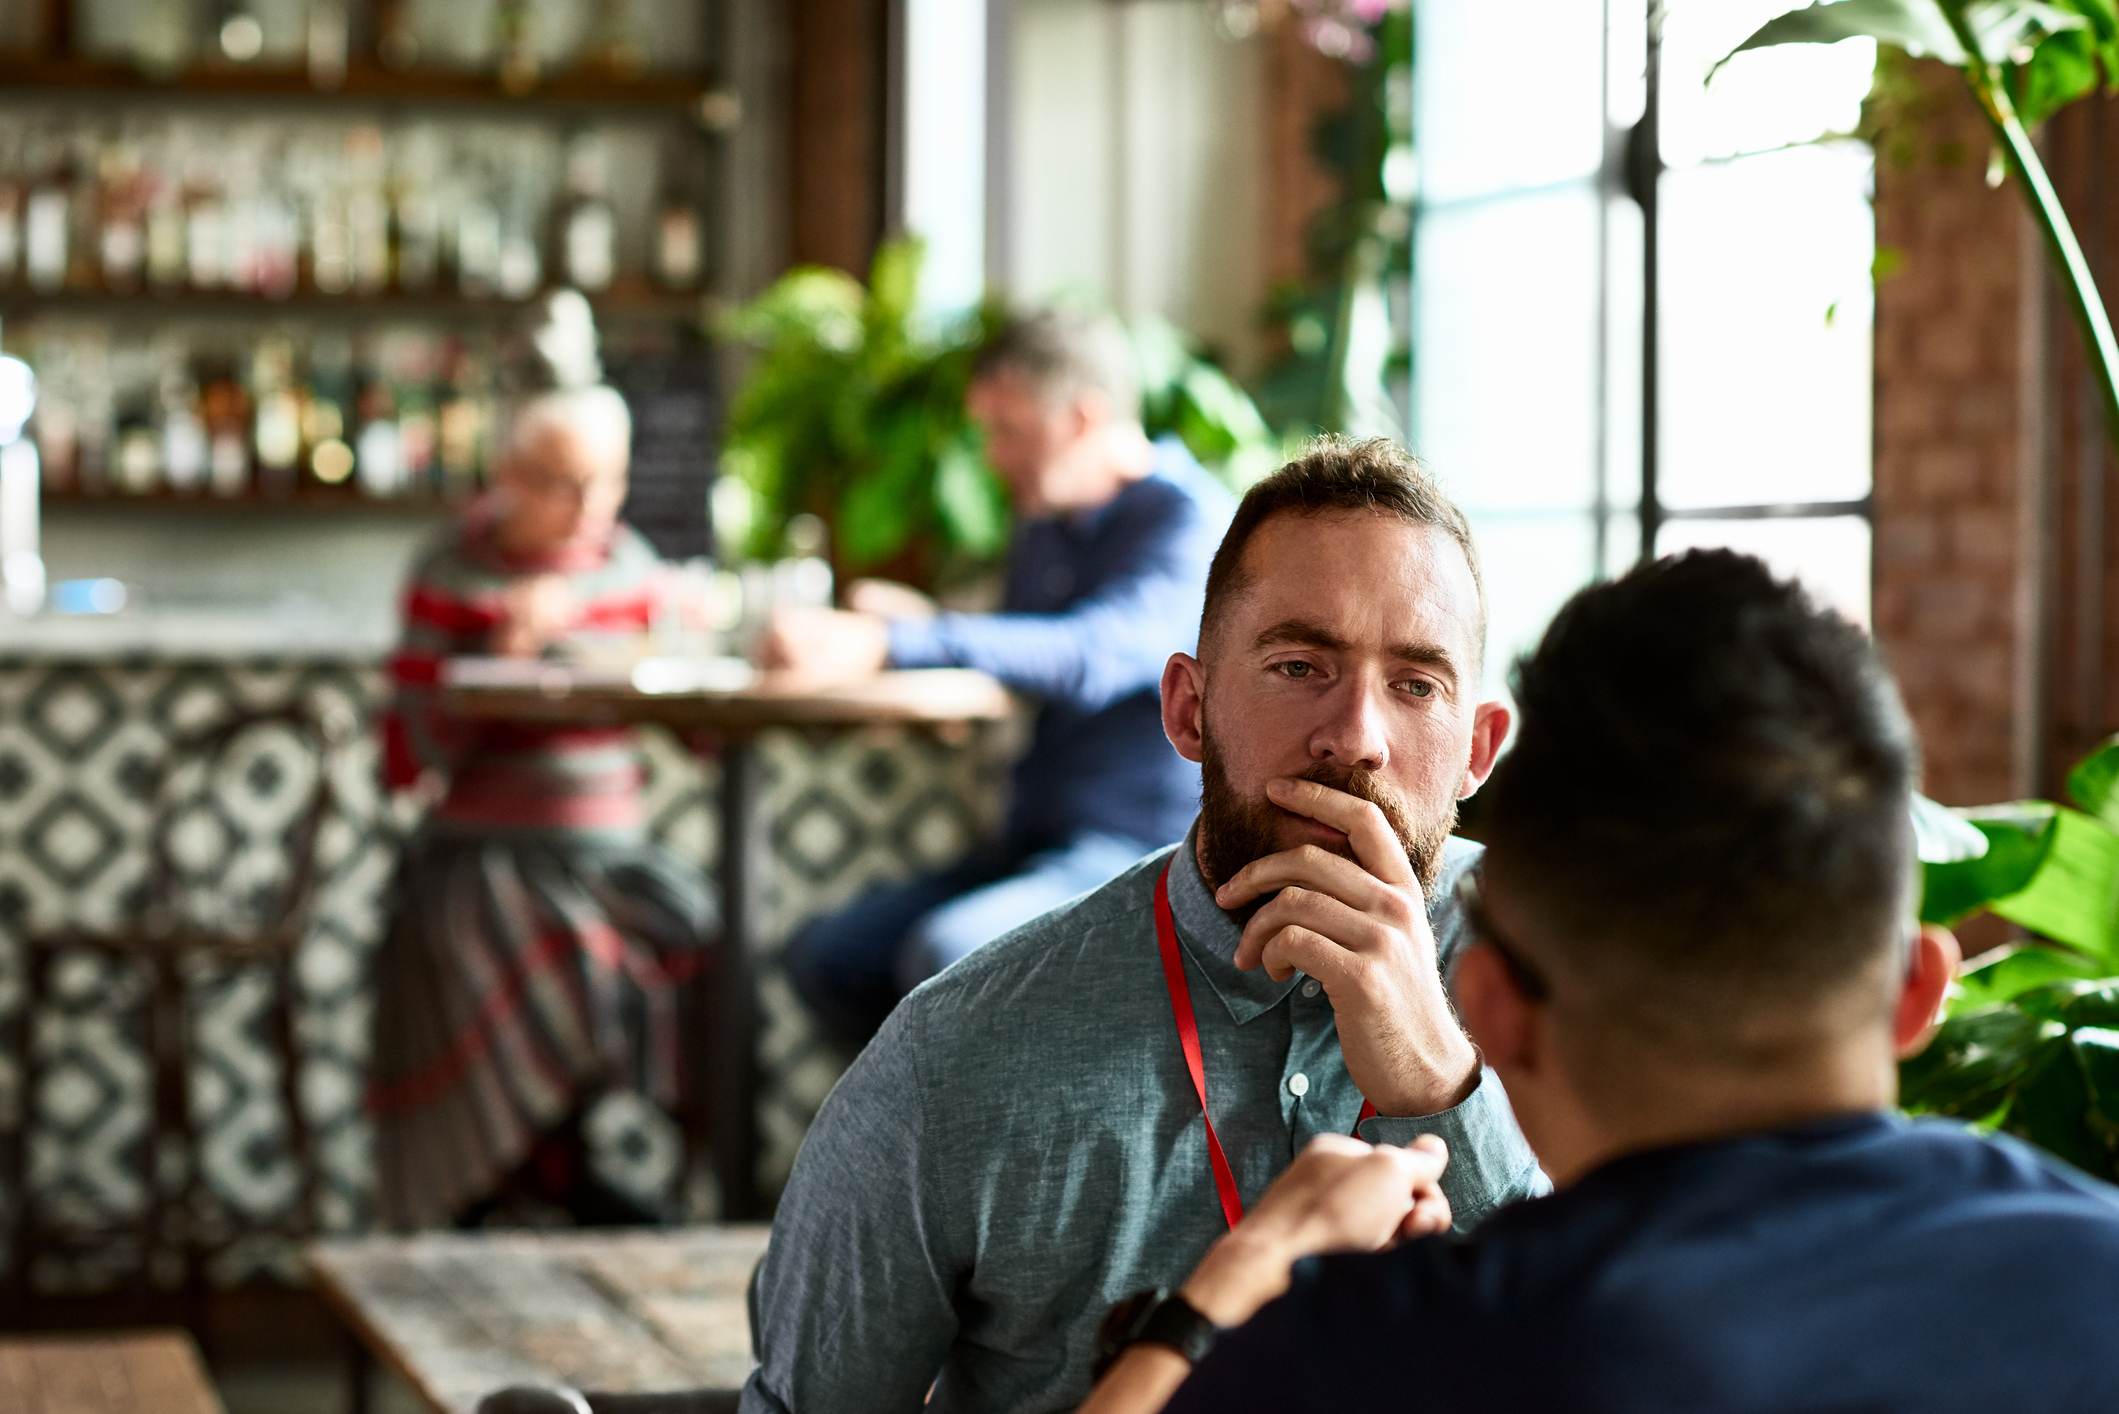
[[410, 220], [378, 52], [685, 98], [403, 419]]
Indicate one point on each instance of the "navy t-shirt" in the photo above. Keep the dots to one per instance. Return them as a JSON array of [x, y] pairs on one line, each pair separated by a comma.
[[1861, 1263]]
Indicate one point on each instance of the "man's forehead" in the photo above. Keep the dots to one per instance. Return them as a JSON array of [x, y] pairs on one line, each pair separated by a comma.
[[1367, 575]]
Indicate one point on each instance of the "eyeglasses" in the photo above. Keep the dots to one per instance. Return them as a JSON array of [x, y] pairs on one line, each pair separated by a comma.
[[1528, 979]]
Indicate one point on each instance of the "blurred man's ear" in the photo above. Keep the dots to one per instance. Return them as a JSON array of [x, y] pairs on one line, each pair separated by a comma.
[[1929, 972], [1184, 689], [1501, 1021], [1490, 723]]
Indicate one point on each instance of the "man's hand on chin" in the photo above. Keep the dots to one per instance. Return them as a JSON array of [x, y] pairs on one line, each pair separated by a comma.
[[1359, 927]]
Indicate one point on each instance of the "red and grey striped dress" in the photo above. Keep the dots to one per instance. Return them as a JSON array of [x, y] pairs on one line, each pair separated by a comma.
[[539, 942]]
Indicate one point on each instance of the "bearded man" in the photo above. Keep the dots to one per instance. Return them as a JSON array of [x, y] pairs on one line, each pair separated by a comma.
[[1079, 1109]]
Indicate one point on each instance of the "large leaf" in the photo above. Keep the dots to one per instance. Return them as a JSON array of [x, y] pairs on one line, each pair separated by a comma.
[[2019, 838], [972, 503], [2007, 31], [2094, 783], [1975, 1062], [2053, 1108], [1916, 26], [1942, 836], [2005, 974], [2073, 898]]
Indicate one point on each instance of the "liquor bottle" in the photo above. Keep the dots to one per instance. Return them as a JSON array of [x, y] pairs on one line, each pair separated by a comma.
[[328, 39], [460, 423], [327, 454], [379, 443], [164, 221], [47, 218], [415, 217], [205, 227], [521, 253], [137, 442], [477, 236], [614, 39], [184, 448], [121, 225], [10, 212], [515, 44], [587, 254], [275, 235], [367, 210], [276, 435], [396, 43], [225, 408], [412, 374], [679, 231]]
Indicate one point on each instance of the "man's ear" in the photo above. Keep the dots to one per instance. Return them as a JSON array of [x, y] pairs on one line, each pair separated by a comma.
[[1496, 1014], [1929, 972], [1184, 692], [1490, 722]]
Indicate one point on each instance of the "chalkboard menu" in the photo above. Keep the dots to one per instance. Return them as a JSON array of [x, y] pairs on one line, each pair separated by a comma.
[[671, 389]]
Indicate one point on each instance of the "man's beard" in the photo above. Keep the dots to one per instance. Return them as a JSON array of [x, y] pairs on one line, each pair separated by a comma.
[[1235, 831]]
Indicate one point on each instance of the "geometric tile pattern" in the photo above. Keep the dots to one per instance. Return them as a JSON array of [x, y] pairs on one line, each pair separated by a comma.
[[77, 747]]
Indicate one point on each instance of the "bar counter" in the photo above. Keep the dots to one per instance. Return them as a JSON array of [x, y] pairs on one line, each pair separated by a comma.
[[86, 705]]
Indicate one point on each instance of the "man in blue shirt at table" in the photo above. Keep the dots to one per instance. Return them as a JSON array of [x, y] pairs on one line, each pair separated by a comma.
[[1104, 583], [1692, 961]]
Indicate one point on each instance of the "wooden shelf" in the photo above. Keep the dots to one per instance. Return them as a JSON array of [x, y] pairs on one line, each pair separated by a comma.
[[304, 501], [684, 97], [629, 304]]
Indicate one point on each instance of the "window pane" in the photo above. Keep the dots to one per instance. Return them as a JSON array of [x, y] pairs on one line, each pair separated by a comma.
[[1763, 99], [1505, 349], [1830, 556], [1506, 96], [1767, 308], [1530, 566]]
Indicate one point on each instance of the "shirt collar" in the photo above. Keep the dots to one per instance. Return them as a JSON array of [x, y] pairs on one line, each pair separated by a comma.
[[1209, 935]]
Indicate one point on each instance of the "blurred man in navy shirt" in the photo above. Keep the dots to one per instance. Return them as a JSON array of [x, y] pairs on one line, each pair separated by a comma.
[[1692, 963], [1104, 582]]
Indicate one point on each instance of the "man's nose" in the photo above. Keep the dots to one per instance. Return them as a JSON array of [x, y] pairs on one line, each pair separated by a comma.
[[1352, 734]]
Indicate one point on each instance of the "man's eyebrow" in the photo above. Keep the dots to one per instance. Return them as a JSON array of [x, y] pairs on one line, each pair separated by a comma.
[[1299, 633], [1428, 655]]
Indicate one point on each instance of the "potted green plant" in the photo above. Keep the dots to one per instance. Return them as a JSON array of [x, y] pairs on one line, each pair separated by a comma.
[[2030, 1043], [852, 410]]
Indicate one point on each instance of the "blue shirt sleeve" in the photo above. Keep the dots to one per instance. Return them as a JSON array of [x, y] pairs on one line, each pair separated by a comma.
[[1106, 645], [1270, 1361]]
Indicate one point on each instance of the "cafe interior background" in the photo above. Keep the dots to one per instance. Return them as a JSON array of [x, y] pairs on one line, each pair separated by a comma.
[[267, 261]]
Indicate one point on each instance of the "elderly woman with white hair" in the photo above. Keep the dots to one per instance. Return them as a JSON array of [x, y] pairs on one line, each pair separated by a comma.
[[539, 942]]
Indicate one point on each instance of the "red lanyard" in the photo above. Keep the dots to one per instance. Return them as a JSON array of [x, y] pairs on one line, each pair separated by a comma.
[[1188, 1040]]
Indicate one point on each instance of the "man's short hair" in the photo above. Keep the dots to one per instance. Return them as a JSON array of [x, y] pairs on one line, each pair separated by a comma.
[[1706, 804], [1339, 474], [1060, 354]]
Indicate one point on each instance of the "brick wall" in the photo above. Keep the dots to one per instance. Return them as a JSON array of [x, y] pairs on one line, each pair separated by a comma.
[[1992, 596]]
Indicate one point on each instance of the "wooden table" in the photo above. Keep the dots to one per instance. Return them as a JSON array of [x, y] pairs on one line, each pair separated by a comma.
[[143, 1372], [460, 1315], [733, 717]]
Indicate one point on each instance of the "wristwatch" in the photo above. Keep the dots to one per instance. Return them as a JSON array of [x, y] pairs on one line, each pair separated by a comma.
[[1157, 1316]]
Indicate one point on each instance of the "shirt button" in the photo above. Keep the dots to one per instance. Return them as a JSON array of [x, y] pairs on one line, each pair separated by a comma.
[[1298, 1085], [1310, 988]]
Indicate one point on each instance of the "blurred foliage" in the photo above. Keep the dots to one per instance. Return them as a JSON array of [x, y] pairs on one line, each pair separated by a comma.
[[2030, 1044], [1342, 354], [852, 409]]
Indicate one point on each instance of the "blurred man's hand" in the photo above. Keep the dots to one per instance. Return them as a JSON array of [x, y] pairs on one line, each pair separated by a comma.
[[533, 613], [1340, 1195], [824, 647], [887, 599]]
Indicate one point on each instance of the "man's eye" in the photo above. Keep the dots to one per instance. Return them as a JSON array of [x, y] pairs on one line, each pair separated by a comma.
[[1419, 687], [1296, 669]]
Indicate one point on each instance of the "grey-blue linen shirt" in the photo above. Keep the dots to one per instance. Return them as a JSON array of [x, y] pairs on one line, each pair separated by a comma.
[[1020, 1146]]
